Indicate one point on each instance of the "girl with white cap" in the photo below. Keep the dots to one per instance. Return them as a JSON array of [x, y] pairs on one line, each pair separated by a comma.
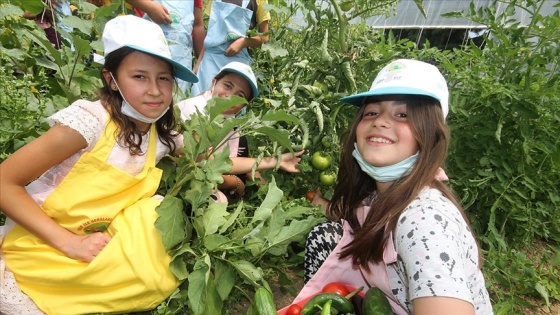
[[404, 230], [235, 78], [80, 198]]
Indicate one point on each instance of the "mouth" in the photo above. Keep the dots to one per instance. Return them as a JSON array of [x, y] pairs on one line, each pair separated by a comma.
[[379, 140]]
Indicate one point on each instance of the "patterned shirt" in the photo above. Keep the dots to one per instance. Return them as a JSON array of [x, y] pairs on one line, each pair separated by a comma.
[[437, 255]]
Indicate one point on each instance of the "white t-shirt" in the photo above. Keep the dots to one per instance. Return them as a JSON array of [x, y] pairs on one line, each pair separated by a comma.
[[437, 255]]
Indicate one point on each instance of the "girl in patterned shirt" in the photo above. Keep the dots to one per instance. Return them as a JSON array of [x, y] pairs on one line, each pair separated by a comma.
[[404, 231]]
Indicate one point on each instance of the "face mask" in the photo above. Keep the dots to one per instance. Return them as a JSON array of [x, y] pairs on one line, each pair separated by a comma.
[[130, 112], [385, 174]]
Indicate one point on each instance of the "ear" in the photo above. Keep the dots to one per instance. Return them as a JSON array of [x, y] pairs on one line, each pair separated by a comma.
[[108, 79]]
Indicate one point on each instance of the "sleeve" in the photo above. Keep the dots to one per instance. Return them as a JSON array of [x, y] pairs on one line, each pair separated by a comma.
[[87, 118], [428, 241], [262, 14]]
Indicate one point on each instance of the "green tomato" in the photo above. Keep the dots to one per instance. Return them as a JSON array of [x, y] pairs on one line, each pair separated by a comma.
[[346, 6], [327, 178], [321, 161], [326, 141]]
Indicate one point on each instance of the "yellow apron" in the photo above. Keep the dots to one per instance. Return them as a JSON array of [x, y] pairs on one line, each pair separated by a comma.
[[131, 273]]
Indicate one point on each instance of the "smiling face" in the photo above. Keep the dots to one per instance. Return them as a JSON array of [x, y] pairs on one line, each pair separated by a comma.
[[232, 84], [146, 83], [383, 135]]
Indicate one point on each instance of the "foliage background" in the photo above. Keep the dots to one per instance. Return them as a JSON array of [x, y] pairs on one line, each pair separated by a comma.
[[504, 161]]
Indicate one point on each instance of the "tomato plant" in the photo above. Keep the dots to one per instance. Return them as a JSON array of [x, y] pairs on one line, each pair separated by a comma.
[[294, 309], [336, 287], [321, 161], [327, 178]]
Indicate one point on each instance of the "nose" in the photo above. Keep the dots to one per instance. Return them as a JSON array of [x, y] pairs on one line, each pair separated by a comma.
[[154, 88], [383, 120]]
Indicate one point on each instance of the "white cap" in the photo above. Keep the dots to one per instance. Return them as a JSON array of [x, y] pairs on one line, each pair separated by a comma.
[[406, 76], [245, 71], [142, 35]]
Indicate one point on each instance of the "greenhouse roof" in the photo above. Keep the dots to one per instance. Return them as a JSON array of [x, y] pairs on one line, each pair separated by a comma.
[[407, 14]]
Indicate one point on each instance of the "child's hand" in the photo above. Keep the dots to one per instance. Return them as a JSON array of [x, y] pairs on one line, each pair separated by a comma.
[[158, 13], [235, 47], [85, 247], [289, 161]]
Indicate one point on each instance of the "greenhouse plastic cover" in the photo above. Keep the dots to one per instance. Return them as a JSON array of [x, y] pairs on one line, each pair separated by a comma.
[[407, 14]]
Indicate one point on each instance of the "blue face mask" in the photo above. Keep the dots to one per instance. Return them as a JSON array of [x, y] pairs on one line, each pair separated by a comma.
[[130, 112], [385, 174]]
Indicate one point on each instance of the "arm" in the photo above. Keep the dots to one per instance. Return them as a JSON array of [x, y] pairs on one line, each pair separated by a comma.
[[198, 33], [440, 305], [288, 163], [232, 184], [244, 42], [156, 11], [23, 166]]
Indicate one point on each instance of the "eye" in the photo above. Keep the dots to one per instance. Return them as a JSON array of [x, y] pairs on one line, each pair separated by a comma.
[[139, 76], [401, 115], [166, 78]]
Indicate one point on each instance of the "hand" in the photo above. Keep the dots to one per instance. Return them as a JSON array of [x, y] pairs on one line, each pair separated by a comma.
[[158, 13], [85, 247], [441, 176], [319, 200], [289, 161], [235, 47]]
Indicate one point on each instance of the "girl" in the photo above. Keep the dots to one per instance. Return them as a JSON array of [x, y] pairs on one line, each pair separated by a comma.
[[84, 239], [226, 37], [238, 79], [404, 230]]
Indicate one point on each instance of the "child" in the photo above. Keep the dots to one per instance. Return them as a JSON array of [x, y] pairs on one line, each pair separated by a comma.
[[85, 240], [238, 79], [50, 20], [183, 26], [226, 38], [404, 230]]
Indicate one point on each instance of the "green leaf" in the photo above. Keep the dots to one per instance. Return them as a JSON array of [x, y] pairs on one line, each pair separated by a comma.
[[232, 218], [248, 271], [272, 199], [279, 115], [197, 287], [213, 241], [225, 276], [214, 217], [276, 135], [78, 23], [171, 222], [7, 9], [543, 292]]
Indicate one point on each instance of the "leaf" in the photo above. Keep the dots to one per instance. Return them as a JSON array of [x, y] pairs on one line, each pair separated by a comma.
[[272, 199], [232, 218], [214, 217], [275, 135], [171, 222], [75, 22], [543, 292], [197, 287], [297, 230], [213, 241], [279, 115], [275, 50], [224, 275], [9, 9], [248, 271]]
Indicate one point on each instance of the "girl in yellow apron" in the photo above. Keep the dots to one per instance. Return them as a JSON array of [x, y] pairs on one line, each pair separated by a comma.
[[84, 239]]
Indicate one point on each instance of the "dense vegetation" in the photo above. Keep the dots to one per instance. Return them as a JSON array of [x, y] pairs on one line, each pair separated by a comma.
[[504, 161]]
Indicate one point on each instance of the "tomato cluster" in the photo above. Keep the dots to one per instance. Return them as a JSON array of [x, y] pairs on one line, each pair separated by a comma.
[[321, 161]]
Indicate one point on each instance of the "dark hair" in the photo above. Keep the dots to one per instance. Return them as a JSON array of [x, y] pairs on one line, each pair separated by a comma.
[[167, 126], [354, 186]]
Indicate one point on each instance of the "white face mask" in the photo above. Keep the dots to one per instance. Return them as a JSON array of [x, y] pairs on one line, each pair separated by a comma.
[[130, 112]]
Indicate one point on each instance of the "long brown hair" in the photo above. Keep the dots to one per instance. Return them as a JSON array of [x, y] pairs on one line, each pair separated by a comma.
[[167, 126], [354, 186]]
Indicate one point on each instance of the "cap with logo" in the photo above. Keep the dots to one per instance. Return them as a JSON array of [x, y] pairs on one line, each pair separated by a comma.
[[142, 35], [407, 76], [245, 71]]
